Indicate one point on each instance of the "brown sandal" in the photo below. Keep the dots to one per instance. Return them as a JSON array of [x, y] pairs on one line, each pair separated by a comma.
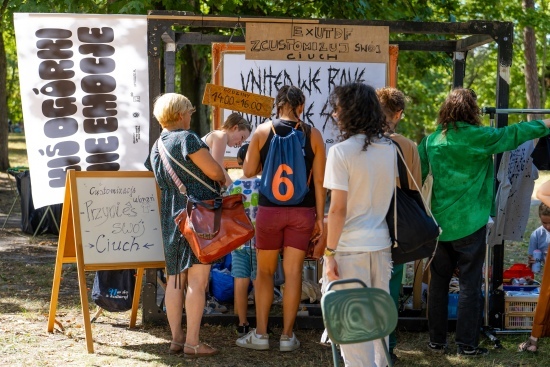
[[530, 346], [196, 354], [176, 351]]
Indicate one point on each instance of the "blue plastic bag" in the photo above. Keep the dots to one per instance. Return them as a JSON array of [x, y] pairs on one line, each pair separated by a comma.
[[221, 285]]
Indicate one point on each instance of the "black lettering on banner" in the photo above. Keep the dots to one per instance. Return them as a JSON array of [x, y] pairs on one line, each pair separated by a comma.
[[96, 84], [63, 148], [63, 161], [51, 69], [102, 65], [309, 80], [54, 49], [58, 175], [101, 105], [53, 33], [308, 114], [96, 35], [102, 158], [326, 115], [97, 50], [60, 127], [100, 125], [103, 145], [60, 107], [104, 167], [59, 88]]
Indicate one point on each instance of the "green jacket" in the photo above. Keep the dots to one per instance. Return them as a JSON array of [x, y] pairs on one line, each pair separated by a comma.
[[462, 168]]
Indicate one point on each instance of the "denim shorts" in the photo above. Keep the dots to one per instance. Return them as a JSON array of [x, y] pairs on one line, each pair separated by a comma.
[[278, 227], [243, 263]]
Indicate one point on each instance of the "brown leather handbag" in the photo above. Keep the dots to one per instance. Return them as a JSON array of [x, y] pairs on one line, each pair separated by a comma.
[[213, 227]]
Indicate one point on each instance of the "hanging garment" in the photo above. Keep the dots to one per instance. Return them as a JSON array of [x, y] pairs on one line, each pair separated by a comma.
[[517, 176]]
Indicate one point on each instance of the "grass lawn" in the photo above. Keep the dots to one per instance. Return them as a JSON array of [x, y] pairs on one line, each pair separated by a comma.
[[26, 273]]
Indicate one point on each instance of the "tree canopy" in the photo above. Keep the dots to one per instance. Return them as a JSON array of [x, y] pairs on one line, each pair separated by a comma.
[[426, 77]]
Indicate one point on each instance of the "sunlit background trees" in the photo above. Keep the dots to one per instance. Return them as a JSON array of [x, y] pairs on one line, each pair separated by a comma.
[[426, 77]]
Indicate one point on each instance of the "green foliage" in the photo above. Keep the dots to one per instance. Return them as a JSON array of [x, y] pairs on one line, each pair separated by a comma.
[[426, 77]]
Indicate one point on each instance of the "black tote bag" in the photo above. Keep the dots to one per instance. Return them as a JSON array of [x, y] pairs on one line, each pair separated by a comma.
[[416, 234]]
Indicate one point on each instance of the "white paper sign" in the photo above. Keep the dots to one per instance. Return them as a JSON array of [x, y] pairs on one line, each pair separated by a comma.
[[315, 78], [85, 96]]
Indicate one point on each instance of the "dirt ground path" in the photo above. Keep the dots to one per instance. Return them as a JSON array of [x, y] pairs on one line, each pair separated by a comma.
[[26, 275]]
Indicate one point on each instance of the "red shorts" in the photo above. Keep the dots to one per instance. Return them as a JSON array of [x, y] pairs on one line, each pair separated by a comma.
[[278, 227]]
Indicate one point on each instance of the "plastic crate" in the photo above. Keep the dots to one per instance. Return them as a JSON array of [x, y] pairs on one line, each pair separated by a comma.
[[518, 271], [519, 311]]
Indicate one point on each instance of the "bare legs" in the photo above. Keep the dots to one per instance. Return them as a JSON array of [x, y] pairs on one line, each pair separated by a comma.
[[174, 304], [241, 299], [194, 300], [293, 260], [263, 292], [197, 279]]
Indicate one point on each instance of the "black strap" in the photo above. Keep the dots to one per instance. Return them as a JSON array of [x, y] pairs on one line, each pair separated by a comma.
[[403, 176]]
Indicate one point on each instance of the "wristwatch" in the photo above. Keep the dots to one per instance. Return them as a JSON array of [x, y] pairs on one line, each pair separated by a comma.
[[329, 251]]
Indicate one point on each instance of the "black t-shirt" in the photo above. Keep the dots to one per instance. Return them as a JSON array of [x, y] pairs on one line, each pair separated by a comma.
[[283, 128]]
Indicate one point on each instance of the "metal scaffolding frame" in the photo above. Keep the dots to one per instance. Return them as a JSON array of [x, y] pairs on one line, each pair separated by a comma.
[[164, 42]]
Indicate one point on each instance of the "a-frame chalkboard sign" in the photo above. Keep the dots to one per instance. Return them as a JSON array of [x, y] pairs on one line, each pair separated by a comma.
[[110, 220]]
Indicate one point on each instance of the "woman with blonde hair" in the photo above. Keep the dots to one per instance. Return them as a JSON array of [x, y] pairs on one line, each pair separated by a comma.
[[173, 111], [234, 131]]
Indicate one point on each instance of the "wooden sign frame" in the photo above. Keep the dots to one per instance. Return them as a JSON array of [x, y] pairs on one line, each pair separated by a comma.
[[219, 50], [317, 42], [70, 250]]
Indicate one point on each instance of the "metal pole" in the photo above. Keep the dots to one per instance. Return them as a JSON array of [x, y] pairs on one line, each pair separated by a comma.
[[509, 111]]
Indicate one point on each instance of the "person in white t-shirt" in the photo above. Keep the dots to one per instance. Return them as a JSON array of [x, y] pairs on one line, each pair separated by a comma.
[[361, 172]]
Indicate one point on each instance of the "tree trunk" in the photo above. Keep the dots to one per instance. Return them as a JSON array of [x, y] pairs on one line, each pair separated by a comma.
[[543, 73], [531, 70], [194, 75], [4, 161]]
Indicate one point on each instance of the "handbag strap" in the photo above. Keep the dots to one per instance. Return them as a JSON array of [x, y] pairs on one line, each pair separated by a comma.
[[401, 161], [428, 157], [181, 187], [217, 207], [403, 180]]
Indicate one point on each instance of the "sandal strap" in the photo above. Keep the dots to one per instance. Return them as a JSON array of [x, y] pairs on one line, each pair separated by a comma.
[[194, 347], [181, 345]]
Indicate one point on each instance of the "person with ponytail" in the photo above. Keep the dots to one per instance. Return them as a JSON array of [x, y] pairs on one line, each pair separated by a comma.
[[284, 227]]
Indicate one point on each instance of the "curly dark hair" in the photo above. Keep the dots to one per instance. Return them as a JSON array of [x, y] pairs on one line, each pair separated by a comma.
[[460, 105], [294, 97], [359, 112]]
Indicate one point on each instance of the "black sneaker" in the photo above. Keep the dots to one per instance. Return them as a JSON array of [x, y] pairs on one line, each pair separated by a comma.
[[437, 348], [242, 330], [463, 350]]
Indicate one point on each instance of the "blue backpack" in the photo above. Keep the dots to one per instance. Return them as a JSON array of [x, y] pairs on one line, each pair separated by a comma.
[[284, 177]]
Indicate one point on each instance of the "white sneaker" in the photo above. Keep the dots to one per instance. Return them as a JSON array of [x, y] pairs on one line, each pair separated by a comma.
[[289, 344], [254, 341]]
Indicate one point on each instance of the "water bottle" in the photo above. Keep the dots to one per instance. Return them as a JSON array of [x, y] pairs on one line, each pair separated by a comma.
[[537, 255]]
